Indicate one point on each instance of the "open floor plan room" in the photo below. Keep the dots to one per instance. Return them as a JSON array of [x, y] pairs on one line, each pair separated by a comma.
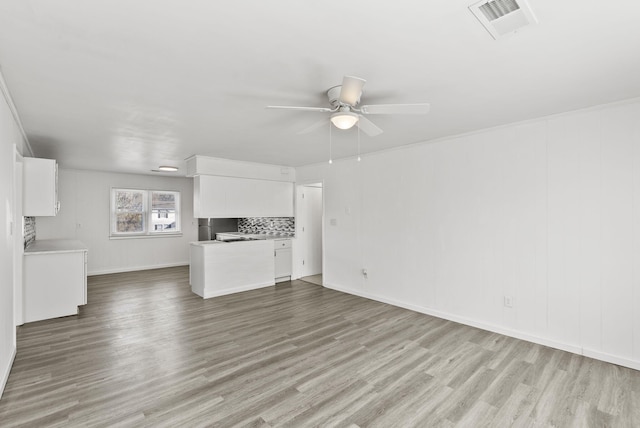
[[145, 351], [319, 214]]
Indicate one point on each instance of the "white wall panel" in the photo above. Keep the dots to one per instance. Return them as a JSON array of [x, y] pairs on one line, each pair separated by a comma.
[[524, 181], [458, 268], [546, 212], [489, 225], [342, 239], [636, 233], [617, 231], [564, 210], [533, 292], [383, 197], [416, 270], [584, 130]]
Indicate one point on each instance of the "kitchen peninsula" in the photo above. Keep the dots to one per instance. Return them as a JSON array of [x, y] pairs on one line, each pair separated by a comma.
[[217, 268]]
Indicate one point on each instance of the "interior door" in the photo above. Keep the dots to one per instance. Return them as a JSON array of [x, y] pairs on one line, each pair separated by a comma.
[[311, 217]]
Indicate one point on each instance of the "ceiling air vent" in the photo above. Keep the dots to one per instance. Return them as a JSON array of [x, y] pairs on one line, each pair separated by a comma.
[[501, 17]]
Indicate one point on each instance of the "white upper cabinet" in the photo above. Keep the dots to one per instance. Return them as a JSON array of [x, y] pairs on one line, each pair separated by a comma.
[[279, 201], [40, 187], [242, 197], [209, 196], [231, 197]]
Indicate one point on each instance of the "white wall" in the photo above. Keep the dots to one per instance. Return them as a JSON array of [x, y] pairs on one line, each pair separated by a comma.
[[84, 215], [10, 135], [546, 212]]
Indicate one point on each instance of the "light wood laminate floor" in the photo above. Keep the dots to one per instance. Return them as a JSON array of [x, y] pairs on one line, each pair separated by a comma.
[[314, 279], [146, 351]]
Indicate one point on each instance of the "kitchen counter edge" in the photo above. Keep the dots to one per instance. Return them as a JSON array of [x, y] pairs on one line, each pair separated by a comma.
[[44, 246]]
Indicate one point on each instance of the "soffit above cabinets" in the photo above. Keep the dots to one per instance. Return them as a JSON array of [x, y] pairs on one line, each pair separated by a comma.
[[205, 165]]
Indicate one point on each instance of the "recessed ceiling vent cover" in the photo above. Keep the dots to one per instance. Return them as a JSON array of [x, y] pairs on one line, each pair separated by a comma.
[[501, 17]]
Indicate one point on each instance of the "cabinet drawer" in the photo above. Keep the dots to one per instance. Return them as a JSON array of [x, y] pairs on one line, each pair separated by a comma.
[[281, 243]]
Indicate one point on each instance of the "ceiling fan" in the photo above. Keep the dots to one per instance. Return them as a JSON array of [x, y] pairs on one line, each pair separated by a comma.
[[345, 111]]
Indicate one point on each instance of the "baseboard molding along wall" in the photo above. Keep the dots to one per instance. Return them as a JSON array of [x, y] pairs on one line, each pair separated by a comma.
[[136, 268], [234, 290], [495, 329], [7, 370]]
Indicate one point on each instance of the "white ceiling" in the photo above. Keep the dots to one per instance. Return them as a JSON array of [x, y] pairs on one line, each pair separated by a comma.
[[124, 85]]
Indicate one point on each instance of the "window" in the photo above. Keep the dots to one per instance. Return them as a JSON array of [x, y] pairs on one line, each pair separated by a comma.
[[136, 212], [164, 212]]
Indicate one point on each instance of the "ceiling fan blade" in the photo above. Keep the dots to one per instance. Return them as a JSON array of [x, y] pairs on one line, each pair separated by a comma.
[[313, 127], [351, 90], [319, 109], [396, 109], [368, 127]]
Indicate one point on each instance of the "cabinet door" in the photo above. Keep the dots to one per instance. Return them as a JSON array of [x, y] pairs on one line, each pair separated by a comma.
[[52, 284], [241, 197], [209, 196], [280, 199], [215, 196], [259, 198], [283, 263], [40, 187]]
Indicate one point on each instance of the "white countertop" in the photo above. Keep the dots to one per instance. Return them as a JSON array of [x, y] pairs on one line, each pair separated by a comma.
[[205, 243], [259, 235], [54, 246]]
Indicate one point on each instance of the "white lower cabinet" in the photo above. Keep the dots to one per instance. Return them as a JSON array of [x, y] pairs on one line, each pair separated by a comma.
[[218, 268], [55, 279], [283, 261]]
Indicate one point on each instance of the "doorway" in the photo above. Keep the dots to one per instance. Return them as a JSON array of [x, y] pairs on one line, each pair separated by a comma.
[[309, 205]]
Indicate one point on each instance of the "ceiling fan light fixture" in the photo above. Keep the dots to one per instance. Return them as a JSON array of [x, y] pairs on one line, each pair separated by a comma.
[[344, 119]]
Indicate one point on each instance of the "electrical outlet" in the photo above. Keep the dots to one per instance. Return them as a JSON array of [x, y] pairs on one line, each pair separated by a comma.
[[365, 273], [508, 301]]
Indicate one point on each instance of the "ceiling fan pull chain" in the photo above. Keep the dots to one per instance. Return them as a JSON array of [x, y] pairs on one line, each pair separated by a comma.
[[330, 154], [358, 144]]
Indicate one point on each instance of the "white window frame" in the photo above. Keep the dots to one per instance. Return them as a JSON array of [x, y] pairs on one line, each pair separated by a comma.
[[147, 211]]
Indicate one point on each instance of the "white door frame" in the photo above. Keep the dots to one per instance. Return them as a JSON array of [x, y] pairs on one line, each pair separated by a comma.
[[18, 238], [296, 273]]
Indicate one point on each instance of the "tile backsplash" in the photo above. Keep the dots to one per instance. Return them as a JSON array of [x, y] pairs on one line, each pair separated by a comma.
[[268, 225], [29, 230]]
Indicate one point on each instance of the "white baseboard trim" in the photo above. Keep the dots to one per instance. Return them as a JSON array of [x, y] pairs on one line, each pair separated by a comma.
[[7, 370], [613, 359], [234, 290], [135, 268], [494, 328]]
